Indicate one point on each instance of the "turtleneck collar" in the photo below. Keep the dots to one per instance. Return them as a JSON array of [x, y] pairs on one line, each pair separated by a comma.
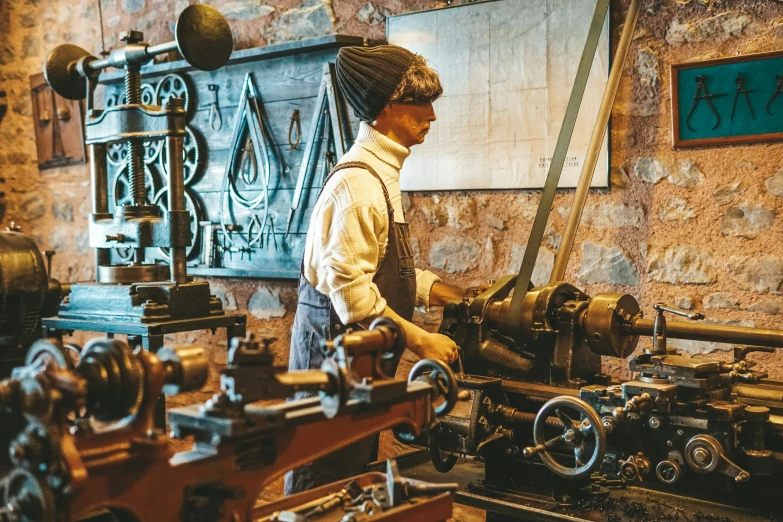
[[385, 149]]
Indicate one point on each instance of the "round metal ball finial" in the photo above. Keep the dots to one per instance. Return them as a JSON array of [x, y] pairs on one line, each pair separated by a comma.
[[204, 37], [59, 74]]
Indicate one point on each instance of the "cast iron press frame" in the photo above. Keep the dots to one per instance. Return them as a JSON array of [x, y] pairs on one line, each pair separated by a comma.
[[144, 301]]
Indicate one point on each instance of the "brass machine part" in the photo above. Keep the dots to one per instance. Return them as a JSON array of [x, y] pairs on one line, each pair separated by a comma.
[[27, 291], [130, 467], [612, 325]]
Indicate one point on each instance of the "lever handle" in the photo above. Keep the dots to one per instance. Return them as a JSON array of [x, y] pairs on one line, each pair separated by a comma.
[[660, 308]]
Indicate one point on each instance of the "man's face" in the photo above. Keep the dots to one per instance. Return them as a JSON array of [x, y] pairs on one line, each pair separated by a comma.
[[409, 123]]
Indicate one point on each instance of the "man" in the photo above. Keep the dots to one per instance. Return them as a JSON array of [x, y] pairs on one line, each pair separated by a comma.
[[358, 261]]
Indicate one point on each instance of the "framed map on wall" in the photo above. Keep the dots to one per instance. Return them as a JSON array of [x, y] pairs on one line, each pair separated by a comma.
[[507, 68]]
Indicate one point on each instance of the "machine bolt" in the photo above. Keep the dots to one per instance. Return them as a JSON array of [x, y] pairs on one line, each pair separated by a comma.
[[569, 436], [702, 456], [680, 433], [655, 423], [131, 36]]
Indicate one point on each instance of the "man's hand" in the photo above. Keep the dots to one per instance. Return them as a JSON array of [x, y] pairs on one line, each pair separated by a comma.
[[424, 344], [473, 291], [438, 346], [441, 293]]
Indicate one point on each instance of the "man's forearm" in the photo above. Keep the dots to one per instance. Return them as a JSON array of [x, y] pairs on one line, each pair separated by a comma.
[[413, 334], [441, 293]]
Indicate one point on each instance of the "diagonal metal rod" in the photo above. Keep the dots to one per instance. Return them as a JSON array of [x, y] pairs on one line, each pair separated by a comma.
[[596, 140], [558, 160]]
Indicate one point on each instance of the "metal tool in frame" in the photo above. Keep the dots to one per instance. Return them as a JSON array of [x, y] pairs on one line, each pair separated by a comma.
[[778, 90], [741, 91], [328, 106], [703, 94], [249, 135]]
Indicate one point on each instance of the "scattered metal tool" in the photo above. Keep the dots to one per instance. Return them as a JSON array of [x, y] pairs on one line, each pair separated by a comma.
[[741, 91], [703, 94], [295, 124], [778, 90], [215, 119], [328, 105]]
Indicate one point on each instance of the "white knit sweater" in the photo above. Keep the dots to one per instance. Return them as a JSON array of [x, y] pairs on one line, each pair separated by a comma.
[[349, 229]]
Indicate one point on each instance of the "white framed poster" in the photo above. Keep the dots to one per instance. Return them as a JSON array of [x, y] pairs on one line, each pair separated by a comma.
[[507, 68]]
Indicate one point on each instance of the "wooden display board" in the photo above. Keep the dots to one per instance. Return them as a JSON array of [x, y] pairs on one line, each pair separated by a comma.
[[287, 79], [728, 100]]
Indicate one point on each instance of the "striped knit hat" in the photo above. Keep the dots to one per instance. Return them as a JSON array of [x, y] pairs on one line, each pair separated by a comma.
[[368, 76]]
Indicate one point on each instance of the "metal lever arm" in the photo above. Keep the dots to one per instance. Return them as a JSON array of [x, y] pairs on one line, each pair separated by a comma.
[[203, 38]]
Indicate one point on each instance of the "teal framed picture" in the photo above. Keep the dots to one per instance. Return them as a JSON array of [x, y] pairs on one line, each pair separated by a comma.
[[727, 101]]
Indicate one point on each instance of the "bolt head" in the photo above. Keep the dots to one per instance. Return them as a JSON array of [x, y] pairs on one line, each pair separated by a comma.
[[654, 423], [701, 456], [131, 36], [569, 436]]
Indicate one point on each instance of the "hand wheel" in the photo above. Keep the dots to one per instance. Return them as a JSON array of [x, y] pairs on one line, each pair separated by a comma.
[[397, 344], [574, 436], [441, 462], [442, 380]]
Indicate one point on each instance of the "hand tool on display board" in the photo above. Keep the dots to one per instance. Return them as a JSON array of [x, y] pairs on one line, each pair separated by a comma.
[[703, 94], [328, 106], [295, 125], [778, 90], [215, 119], [248, 129], [741, 91]]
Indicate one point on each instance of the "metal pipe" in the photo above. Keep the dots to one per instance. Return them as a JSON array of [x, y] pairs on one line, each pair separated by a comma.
[[711, 333], [176, 201], [100, 194], [154, 50], [596, 140]]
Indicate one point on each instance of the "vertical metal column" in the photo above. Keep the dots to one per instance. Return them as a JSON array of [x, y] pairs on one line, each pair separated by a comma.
[[596, 139], [100, 195], [176, 196]]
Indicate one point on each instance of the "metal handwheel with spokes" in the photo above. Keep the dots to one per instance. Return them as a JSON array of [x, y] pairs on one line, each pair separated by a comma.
[[576, 433]]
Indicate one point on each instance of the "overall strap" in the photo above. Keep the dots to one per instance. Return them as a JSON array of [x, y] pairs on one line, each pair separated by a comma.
[[368, 168]]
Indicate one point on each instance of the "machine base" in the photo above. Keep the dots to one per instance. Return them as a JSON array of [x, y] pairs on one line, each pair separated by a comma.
[[145, 312], [630, 504]]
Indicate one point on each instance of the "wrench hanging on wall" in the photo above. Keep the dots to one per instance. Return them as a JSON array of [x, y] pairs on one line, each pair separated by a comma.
[[328, 105]]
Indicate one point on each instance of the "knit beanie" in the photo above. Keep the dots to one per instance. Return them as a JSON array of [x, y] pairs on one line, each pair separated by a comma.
[[368, 76]]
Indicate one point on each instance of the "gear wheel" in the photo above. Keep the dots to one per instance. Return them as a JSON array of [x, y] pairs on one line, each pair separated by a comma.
[[192, 206], [30, 500], [191, 156], [172, 86]]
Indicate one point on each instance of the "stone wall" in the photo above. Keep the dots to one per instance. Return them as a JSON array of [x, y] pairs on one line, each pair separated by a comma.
[[695, 228]]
